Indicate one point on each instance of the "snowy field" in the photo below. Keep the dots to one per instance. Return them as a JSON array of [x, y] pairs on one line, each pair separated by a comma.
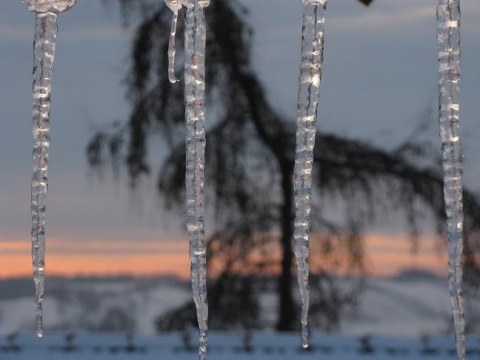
[[222, 346], [417, 305], [398, 312]]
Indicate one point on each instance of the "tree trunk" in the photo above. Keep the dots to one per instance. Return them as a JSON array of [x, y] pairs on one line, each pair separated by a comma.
[[287, 311], [273, 132]]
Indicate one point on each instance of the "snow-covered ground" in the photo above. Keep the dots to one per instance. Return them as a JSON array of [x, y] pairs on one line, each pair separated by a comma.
[[93, 304], [404, 306], [401, 307], [231, 346], [398, 312]]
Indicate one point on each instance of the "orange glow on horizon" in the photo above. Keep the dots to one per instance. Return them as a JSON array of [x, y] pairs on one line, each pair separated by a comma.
[[387, 255], [142, 258]]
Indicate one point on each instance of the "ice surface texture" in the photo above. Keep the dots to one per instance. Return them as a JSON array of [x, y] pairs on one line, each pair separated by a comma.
[[448, 42], [172, 50], [195, 43], [175, 6], [55, 6], [44, 57], [308, 93]]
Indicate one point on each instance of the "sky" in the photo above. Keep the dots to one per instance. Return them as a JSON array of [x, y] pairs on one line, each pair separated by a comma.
[[379, 78]]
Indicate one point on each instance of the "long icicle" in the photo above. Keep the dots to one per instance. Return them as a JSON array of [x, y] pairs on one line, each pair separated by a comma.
[[308, 93], [195, 45], [44, 54], [44, 58], [448, 42]]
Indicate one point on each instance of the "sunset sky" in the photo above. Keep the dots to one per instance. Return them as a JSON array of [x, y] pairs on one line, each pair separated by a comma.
[[386, 257], [380, 76]]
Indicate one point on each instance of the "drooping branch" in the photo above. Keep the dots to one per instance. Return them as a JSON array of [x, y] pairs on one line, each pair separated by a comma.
[[250, 156]]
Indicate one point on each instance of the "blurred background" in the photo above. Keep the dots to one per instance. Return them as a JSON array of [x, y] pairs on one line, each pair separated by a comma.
[[117, 252]]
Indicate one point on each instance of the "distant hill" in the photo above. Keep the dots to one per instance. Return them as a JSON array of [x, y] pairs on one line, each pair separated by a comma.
[[418, 274]]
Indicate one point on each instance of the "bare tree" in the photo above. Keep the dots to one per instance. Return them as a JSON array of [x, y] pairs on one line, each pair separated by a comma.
[[250, 159]]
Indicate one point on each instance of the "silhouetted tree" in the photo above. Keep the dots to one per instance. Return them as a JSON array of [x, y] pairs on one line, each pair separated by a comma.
[[250, 159]]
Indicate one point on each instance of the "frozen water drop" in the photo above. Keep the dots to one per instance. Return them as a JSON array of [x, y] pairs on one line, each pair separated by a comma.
[[308, 93], [448, 42]]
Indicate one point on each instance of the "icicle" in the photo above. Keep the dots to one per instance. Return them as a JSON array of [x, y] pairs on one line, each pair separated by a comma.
[[195, 43], [308, 93], [175, 6], [448, 39], [44, 57]]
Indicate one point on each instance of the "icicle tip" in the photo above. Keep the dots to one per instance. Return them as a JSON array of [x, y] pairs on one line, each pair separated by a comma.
[[172, 78]]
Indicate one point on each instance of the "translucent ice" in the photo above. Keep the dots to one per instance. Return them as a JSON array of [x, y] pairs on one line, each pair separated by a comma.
[[175, 6], [448, 42], [195, 43], [308, 93], [44, 58], [44, 52], [55, 6]]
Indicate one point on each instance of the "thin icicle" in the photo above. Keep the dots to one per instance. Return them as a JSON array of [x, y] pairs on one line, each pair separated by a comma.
[[44, 58], [195, 43], [308, 93], [44, 52], [175, 6], [448, 39]]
